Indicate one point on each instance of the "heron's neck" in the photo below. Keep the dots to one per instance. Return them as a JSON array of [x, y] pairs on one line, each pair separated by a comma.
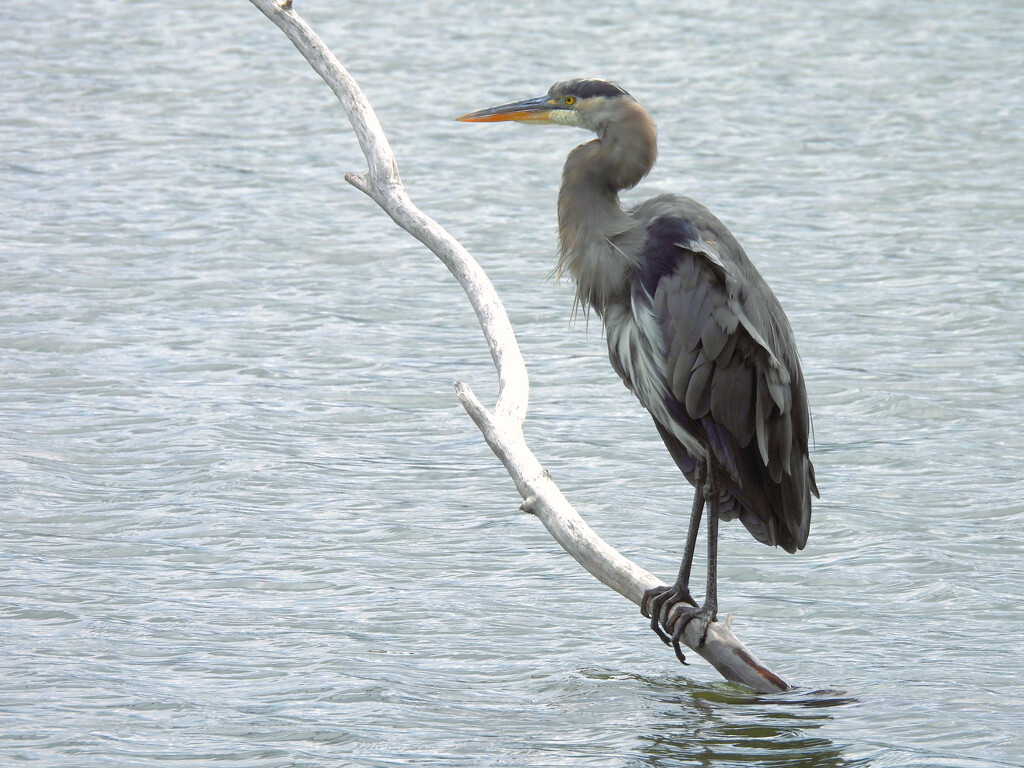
[[598, 240]]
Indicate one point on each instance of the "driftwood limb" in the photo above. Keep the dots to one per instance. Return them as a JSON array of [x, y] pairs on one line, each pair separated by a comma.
[[502, 428]]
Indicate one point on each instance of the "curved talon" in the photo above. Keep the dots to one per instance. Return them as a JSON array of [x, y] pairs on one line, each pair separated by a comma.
[[705, 615], [648, 594], [659, 601], [650, 607], [679, 651]]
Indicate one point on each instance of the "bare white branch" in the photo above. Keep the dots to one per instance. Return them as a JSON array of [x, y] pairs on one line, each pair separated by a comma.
[[502, 428]]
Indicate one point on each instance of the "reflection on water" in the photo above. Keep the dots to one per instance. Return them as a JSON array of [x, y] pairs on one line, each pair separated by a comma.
[[722, 725]]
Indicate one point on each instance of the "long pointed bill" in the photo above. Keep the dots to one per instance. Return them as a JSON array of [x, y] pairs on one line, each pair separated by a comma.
[[529, 111]]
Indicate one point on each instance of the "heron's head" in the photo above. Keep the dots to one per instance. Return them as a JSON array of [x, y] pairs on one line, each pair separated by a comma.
[[590, 104]]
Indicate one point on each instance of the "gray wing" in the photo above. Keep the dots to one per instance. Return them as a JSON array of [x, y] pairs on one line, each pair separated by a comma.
[[734, 378]]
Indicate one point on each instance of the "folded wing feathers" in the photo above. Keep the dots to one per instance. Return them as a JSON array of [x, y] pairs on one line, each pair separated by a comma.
[[698, 390], [724, 365], [725, 372]]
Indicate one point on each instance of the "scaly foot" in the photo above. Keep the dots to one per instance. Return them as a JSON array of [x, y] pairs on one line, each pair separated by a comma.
[[703, 615], [657, 605]]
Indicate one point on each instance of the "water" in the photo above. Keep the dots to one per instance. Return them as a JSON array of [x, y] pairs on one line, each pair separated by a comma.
[[245, 520]]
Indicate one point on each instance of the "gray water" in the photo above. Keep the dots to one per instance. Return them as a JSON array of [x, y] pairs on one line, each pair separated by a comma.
[[243, 519]]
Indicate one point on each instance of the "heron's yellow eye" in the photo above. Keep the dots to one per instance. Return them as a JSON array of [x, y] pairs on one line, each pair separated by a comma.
[[569, 100]]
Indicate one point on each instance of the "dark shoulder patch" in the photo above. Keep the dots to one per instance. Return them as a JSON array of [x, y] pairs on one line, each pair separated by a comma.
[[661, 253]]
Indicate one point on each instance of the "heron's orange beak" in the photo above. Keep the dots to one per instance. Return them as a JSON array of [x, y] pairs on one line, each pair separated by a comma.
[[529, 111]]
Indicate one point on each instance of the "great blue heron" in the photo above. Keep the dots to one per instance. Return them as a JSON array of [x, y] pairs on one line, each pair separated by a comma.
[[693, 330]]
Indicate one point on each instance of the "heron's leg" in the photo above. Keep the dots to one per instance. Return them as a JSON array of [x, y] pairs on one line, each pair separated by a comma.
[[683, 578], [655, 599], [709, 611]]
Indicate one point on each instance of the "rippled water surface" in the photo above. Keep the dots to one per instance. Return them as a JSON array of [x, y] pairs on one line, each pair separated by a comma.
[[243, 519]]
